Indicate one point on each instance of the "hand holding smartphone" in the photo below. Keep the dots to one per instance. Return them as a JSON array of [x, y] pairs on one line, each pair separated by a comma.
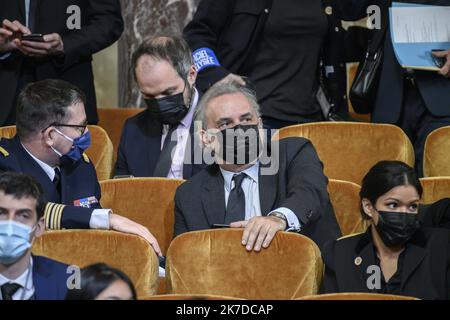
[[36, 37]]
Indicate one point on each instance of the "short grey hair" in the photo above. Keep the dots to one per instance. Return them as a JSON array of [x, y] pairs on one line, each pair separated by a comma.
[[221, 89]]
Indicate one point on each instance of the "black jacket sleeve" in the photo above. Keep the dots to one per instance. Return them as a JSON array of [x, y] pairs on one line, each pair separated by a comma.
[[307, 193], [204, 31], [102, 27]]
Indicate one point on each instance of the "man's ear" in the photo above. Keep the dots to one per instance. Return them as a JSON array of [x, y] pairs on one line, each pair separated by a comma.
[[367, 207], [192, 75], [205, 137], [48, 136], [40, 228]]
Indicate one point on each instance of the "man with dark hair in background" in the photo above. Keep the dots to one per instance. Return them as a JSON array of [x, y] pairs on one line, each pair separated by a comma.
[[166, 76], [73, 30], [52, 136], [22, 275]]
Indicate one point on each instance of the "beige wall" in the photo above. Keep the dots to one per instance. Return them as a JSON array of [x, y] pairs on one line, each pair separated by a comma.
[[105, 65]]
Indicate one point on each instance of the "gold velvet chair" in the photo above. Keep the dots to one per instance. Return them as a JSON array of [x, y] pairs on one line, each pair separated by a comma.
[[112, 120], [435, 189], [349, 149], [215, 262], [356, 296], [148, 201], [100, 152], [188, 297], [436, 159], [131, 254], [344, 196]]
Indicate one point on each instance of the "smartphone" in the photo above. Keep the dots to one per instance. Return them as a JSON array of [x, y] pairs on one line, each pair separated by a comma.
[[220, 226], [37, 37], [439, 62]]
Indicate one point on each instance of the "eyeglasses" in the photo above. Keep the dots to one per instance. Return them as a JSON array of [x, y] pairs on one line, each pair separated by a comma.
[[81, 128]]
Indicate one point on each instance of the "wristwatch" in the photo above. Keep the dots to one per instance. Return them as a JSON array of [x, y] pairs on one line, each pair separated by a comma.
[[279, 215]]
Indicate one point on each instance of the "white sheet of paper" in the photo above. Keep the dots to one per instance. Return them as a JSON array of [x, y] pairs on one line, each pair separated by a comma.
[[421, 24]]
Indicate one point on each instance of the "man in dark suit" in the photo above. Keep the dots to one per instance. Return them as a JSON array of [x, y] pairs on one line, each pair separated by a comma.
[[23, 276], [245, 189], [73, 31], [51, 139], [417, 101], [166, 77]]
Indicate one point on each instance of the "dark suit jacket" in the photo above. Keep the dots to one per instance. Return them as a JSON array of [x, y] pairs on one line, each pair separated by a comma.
[[434, 88], [426, 265], [49, 279], [101, 25], [78, 181], [299, 185], [231, 27], [140, 148]]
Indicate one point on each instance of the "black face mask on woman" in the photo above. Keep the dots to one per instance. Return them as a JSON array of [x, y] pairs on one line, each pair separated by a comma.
[[397, 228], [169, 110]]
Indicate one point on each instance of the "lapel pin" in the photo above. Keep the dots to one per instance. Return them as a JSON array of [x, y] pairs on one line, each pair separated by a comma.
[[358, 261]]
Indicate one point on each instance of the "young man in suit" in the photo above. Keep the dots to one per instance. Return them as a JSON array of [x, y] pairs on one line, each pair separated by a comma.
[[73, 30], [158, 142], [22, 275], [51, 139], [245, 189]]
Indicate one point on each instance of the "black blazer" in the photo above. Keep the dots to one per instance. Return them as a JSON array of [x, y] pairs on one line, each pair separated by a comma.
[[78, 182], [299, 185], [434, 88], [230, 27], [426, 265], [101, 25], [140, 148]]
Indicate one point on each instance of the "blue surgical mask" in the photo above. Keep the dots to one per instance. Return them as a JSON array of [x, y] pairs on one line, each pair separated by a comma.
[[79, 146], [14, 241]]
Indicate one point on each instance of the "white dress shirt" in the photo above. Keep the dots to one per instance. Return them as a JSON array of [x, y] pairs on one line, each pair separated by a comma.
[[250, 186], [99, 217], [25, 280], [183, 132]]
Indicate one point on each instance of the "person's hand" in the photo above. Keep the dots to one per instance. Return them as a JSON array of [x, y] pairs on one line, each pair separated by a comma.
[[233, 78], [445, 70], [9, 32], [125, 225], [259, 231], [52, 45]]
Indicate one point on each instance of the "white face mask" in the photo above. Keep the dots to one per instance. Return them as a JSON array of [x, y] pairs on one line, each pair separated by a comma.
[[15, 240], [66, 137]]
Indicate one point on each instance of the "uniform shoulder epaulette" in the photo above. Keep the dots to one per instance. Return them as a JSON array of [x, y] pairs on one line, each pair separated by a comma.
[[350, 236], [4, 152], [86, 158]]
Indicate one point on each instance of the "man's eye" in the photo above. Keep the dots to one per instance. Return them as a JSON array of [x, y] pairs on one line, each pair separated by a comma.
[[414, 207]]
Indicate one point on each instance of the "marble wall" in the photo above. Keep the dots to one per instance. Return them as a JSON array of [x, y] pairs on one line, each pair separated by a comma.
[[143, 19]]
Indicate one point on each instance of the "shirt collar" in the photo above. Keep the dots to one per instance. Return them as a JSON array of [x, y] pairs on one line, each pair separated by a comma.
[[252, 172], [187, 120], [50, 171], [20, 280]]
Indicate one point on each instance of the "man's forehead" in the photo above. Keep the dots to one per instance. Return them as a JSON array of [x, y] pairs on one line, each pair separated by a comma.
[[230, 105], [155, 76], [8, 200]]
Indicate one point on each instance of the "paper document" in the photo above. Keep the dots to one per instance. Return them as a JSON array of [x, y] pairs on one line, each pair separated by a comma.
[[416, 30]]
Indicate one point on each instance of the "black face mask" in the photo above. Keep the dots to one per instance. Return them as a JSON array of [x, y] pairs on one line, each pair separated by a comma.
[[397, 228], [239, 145], [169, 110]]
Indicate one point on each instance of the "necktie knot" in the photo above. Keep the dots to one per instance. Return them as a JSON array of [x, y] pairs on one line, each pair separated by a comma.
[[238, 179], [9, 289]]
